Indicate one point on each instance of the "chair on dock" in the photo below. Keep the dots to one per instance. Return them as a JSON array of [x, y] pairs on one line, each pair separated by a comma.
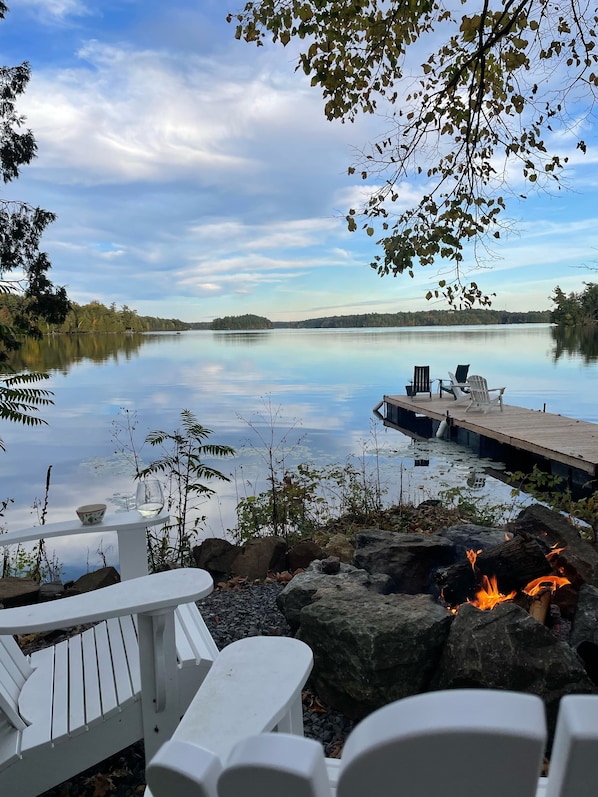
[[456, 386], [456, 742], [479, 395], [421, 381]]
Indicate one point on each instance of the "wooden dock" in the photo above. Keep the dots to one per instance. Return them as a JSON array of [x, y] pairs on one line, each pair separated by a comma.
[[517, 436]]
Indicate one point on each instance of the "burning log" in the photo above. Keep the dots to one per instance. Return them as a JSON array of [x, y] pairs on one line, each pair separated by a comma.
[[513, 563], [538, 608]]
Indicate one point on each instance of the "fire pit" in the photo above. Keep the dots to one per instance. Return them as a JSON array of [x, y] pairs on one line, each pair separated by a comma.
[[463, 607]]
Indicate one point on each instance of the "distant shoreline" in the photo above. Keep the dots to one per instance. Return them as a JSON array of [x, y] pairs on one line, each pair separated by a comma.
[[419, 318]]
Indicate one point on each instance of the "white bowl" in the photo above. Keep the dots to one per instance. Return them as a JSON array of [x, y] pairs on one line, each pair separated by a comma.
[[90, 514]]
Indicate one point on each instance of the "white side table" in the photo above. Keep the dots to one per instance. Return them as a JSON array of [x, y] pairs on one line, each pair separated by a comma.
[[130, 529]]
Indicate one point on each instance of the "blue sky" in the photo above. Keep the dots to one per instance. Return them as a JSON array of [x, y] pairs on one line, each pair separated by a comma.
[[195, 176]]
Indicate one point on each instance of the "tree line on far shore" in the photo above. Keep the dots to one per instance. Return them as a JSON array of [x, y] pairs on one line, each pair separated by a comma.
[[423, 318], [96, 317], [573, 309], [92, 317]]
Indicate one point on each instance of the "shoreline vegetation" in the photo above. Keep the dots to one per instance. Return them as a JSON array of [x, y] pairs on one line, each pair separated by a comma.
[[571, 310], [574, 310], [96, 317]]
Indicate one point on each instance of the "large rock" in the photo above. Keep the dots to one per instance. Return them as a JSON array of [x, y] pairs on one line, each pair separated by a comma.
[[466, 536], [578, 559], [260, 556], [303, 553], [16, 591], [103, 577], [585, 623], [216, 556], [339, 545], [584, 631], [507, 649], [371, 649], [314, 583], [409, 559]]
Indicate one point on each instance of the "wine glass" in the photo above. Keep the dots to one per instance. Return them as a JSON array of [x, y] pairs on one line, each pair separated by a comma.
[[150, 498]]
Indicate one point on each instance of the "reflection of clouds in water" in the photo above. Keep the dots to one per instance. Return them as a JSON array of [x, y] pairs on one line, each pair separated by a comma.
[[328, 381]]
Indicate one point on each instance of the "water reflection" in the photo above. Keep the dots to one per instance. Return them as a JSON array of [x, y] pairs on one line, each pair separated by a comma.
[[242, 338], [60, 352], [325, 383], [573, 341]]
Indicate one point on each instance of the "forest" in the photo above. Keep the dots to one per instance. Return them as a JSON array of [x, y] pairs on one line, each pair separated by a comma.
[[92, 317], [96, 317], [423, 318], [576, 308]]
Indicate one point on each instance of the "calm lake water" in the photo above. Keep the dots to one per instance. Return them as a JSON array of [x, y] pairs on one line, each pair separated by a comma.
[[318, 386]]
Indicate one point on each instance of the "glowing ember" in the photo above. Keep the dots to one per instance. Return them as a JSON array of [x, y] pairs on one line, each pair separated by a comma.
[[488, 595], [554, 552], [545, 583]]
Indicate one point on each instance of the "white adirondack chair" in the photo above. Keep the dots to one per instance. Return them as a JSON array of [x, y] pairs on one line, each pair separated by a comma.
[[480, 394], [457, 389], [196, 649], [71, 705], [456, 743]]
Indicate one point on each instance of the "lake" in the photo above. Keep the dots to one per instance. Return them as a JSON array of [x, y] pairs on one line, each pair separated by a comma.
[[308, 394]]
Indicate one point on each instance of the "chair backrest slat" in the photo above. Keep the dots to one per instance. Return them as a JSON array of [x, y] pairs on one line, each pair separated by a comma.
[[479, 388], [421, 378], [14, 671], [461, 373]]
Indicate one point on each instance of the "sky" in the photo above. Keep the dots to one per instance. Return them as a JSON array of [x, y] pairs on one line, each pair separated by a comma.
[[195, 176]]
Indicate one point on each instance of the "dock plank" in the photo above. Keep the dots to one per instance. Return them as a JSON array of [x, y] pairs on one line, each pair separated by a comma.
[[559, 438]]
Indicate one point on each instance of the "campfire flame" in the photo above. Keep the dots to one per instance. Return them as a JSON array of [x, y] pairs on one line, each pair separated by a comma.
[[488, 596], [545, 583]]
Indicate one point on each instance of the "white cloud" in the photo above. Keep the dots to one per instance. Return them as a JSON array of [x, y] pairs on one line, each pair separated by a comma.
[[183, 164], [57, 9], [130, 115]]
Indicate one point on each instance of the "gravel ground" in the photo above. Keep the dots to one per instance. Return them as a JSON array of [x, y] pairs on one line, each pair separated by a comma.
[[230, 614]]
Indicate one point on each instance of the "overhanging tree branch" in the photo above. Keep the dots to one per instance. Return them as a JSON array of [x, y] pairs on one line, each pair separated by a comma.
[[499, 82]]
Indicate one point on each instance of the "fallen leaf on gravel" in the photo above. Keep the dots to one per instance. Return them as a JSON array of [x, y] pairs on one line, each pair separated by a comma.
[[312, 703], [335, 750], [103, 785]]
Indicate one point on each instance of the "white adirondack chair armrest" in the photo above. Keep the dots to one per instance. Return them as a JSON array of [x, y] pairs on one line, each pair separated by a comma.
[[250, 688], [253, 687], [145, 595], [65, 528]]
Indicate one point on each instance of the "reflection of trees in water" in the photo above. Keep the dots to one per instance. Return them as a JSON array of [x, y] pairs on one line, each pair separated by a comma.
[[242, 338], [576, 340], [59, 352]]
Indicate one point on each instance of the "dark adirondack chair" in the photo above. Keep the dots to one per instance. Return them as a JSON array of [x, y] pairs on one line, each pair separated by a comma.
[[420, 382], [458, 378]]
